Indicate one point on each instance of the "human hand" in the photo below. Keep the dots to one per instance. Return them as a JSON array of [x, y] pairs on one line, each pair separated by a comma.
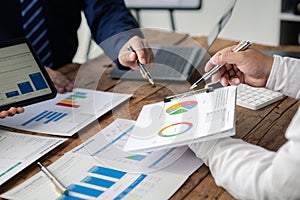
[[60, 81], [250, 67], [143, 53], [11, 112]]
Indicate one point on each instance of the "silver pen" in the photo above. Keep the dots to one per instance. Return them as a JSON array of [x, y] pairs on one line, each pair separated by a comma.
[[60, 188], [143, 69], [240, 47]]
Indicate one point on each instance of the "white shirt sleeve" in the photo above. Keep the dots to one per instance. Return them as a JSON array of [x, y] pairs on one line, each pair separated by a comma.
[[285, 76], [252, 172]]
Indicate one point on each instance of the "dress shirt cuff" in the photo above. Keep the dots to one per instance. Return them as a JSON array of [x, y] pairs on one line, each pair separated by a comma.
[[203, 149]]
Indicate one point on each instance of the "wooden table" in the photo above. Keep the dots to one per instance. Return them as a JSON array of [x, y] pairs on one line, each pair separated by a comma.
[[265, 127]]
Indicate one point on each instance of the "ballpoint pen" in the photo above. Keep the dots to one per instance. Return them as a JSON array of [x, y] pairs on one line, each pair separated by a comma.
[[143, 69], [240, 47], [60, 188]]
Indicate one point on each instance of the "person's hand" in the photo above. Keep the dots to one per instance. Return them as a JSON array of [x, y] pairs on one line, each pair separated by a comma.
[[11, 112], [61, 82], [143, 53], [250, 67]]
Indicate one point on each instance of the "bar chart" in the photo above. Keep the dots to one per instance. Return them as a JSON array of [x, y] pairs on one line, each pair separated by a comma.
[[99, 180], [33, 82], [46, 117], [70, 101]]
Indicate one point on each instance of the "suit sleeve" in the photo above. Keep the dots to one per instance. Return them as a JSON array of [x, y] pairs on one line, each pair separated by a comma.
[[111, 24]]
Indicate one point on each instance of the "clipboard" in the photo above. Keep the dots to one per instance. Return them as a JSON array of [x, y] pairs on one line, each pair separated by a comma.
[[196, 116]]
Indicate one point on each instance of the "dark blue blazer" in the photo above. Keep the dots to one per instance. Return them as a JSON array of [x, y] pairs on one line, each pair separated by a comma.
[[105, 18]]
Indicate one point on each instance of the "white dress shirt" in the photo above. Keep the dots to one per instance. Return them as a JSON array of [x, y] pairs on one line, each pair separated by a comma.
[[251, 172]]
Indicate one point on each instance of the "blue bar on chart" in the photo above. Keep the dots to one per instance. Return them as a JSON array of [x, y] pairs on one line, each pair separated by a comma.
[[131, 187], [98, 182], [38, 81], [47, 117], [84, 190], [56, 117], [25, 87], [67, 197], [12, 94], [107, 172]]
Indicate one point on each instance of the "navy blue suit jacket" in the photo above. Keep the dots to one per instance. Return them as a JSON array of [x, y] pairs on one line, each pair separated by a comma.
[[105, 18]]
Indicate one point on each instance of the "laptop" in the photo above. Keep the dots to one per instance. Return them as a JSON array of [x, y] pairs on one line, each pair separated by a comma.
[[174, 62]]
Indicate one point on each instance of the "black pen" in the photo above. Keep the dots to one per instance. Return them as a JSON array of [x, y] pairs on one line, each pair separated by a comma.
[[240, 47], [143, 69]]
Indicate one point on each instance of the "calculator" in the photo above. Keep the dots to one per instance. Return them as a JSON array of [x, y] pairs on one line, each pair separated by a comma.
[[256, 98], [253, 98]]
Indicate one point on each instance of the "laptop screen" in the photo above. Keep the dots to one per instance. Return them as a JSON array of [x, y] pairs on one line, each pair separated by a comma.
[[220, 25]]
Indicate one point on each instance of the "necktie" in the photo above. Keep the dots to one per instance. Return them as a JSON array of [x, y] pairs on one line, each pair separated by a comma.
[[34, 25]]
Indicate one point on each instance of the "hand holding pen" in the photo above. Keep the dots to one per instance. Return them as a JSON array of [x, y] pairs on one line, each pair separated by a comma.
[[240, 47], [250, 67], [144, 71]]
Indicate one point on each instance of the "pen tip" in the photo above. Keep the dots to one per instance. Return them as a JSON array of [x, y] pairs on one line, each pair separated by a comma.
[[152, 82], [193, 86]]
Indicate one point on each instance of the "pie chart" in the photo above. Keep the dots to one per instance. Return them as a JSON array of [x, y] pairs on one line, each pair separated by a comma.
[[181, 107], [175, 129]]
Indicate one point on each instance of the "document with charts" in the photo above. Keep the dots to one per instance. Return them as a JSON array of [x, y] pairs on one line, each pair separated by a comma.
[[86, 178], [67, 113], [194, 118], [107, 147], [18, 151], [114, 174]]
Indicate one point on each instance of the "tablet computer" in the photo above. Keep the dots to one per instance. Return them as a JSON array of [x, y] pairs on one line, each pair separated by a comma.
[[23, 78]]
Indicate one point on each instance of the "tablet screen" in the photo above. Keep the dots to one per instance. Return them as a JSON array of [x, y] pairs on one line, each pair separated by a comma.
[[23, 79]]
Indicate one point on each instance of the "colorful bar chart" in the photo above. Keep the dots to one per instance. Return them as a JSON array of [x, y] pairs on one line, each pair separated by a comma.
[[46, 117], [70, 100]]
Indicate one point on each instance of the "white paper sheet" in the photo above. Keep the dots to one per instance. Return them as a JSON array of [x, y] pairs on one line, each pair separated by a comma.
[[86, 179], [67, 113], [183, 120], [17, 151], [107, 148]]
